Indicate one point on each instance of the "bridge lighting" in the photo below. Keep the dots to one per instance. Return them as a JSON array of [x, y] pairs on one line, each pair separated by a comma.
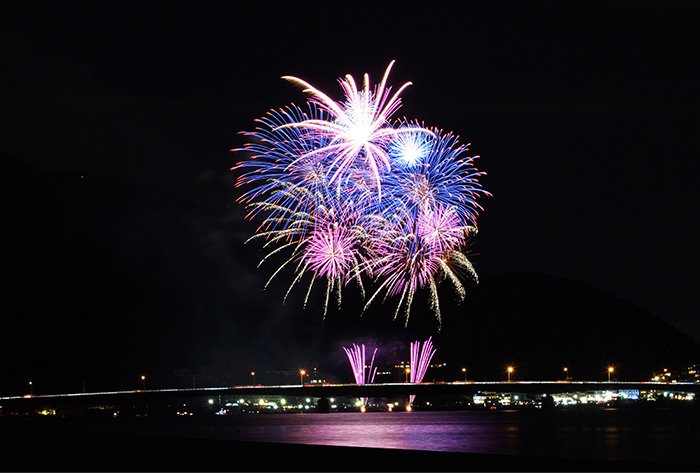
[[393, 390], [510, 369]]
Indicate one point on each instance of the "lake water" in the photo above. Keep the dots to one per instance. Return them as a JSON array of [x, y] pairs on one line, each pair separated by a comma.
[[658, 435]]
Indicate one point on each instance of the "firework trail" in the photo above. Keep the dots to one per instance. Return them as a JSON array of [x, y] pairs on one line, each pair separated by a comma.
[[346, 194], [420, 361], [363, 373]]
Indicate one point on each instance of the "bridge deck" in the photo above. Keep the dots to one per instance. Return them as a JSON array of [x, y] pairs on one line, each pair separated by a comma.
[[352, 390]]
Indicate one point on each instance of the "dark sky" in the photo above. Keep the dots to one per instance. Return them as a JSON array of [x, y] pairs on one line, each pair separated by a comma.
[[124, 247]]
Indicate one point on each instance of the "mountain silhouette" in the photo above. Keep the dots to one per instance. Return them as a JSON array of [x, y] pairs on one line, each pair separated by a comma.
[[535, 322]]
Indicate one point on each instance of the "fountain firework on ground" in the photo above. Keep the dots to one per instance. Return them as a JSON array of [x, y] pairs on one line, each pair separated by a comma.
[[420, 361], [348, 194], [356, 356]]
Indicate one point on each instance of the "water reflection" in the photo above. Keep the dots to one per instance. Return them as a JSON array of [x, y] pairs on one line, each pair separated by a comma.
[[658, 435]]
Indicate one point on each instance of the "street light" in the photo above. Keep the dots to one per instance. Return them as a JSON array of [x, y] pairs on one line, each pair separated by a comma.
[[143, 381], [407, 371], [611, 370], [302, 373], [31, 388], [464, 371], [509, 370], [566, 373], [252, 373]]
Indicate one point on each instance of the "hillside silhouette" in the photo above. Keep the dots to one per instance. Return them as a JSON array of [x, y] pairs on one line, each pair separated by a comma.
[[536, 322]]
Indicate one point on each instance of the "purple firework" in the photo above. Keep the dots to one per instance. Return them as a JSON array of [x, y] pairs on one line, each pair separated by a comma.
[[415, 251], [420, 361], [316, 243], [363, 373], [344, 193], [358, 130], [441, 229], [330, 251]]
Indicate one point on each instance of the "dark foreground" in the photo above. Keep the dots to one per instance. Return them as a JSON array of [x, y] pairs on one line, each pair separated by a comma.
[[30, 444]]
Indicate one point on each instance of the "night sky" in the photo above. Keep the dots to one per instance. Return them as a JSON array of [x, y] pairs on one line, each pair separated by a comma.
[[122, 244]]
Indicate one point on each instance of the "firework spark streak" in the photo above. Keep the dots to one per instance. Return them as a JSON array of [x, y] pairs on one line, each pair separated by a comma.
[[347, 194], [420, 361], [363, 373], [358, 129]]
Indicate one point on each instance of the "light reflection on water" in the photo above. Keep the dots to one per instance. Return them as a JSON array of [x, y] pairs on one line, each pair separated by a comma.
[[654, 435], [410, 431]]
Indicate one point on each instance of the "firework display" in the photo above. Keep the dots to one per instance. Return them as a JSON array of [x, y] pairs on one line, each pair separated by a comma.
[[420, 361], [346, 193], [363, 373]]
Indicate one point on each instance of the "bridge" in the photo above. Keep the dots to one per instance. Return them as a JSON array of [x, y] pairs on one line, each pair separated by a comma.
[[327, 390]]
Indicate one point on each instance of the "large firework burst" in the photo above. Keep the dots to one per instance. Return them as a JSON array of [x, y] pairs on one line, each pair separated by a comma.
[[346, 193]]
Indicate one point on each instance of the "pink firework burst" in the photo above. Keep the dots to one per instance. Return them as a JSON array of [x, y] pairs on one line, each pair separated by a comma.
[[358, 129], [403, 262], [329, 252], [441, 229], [418, 249]]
